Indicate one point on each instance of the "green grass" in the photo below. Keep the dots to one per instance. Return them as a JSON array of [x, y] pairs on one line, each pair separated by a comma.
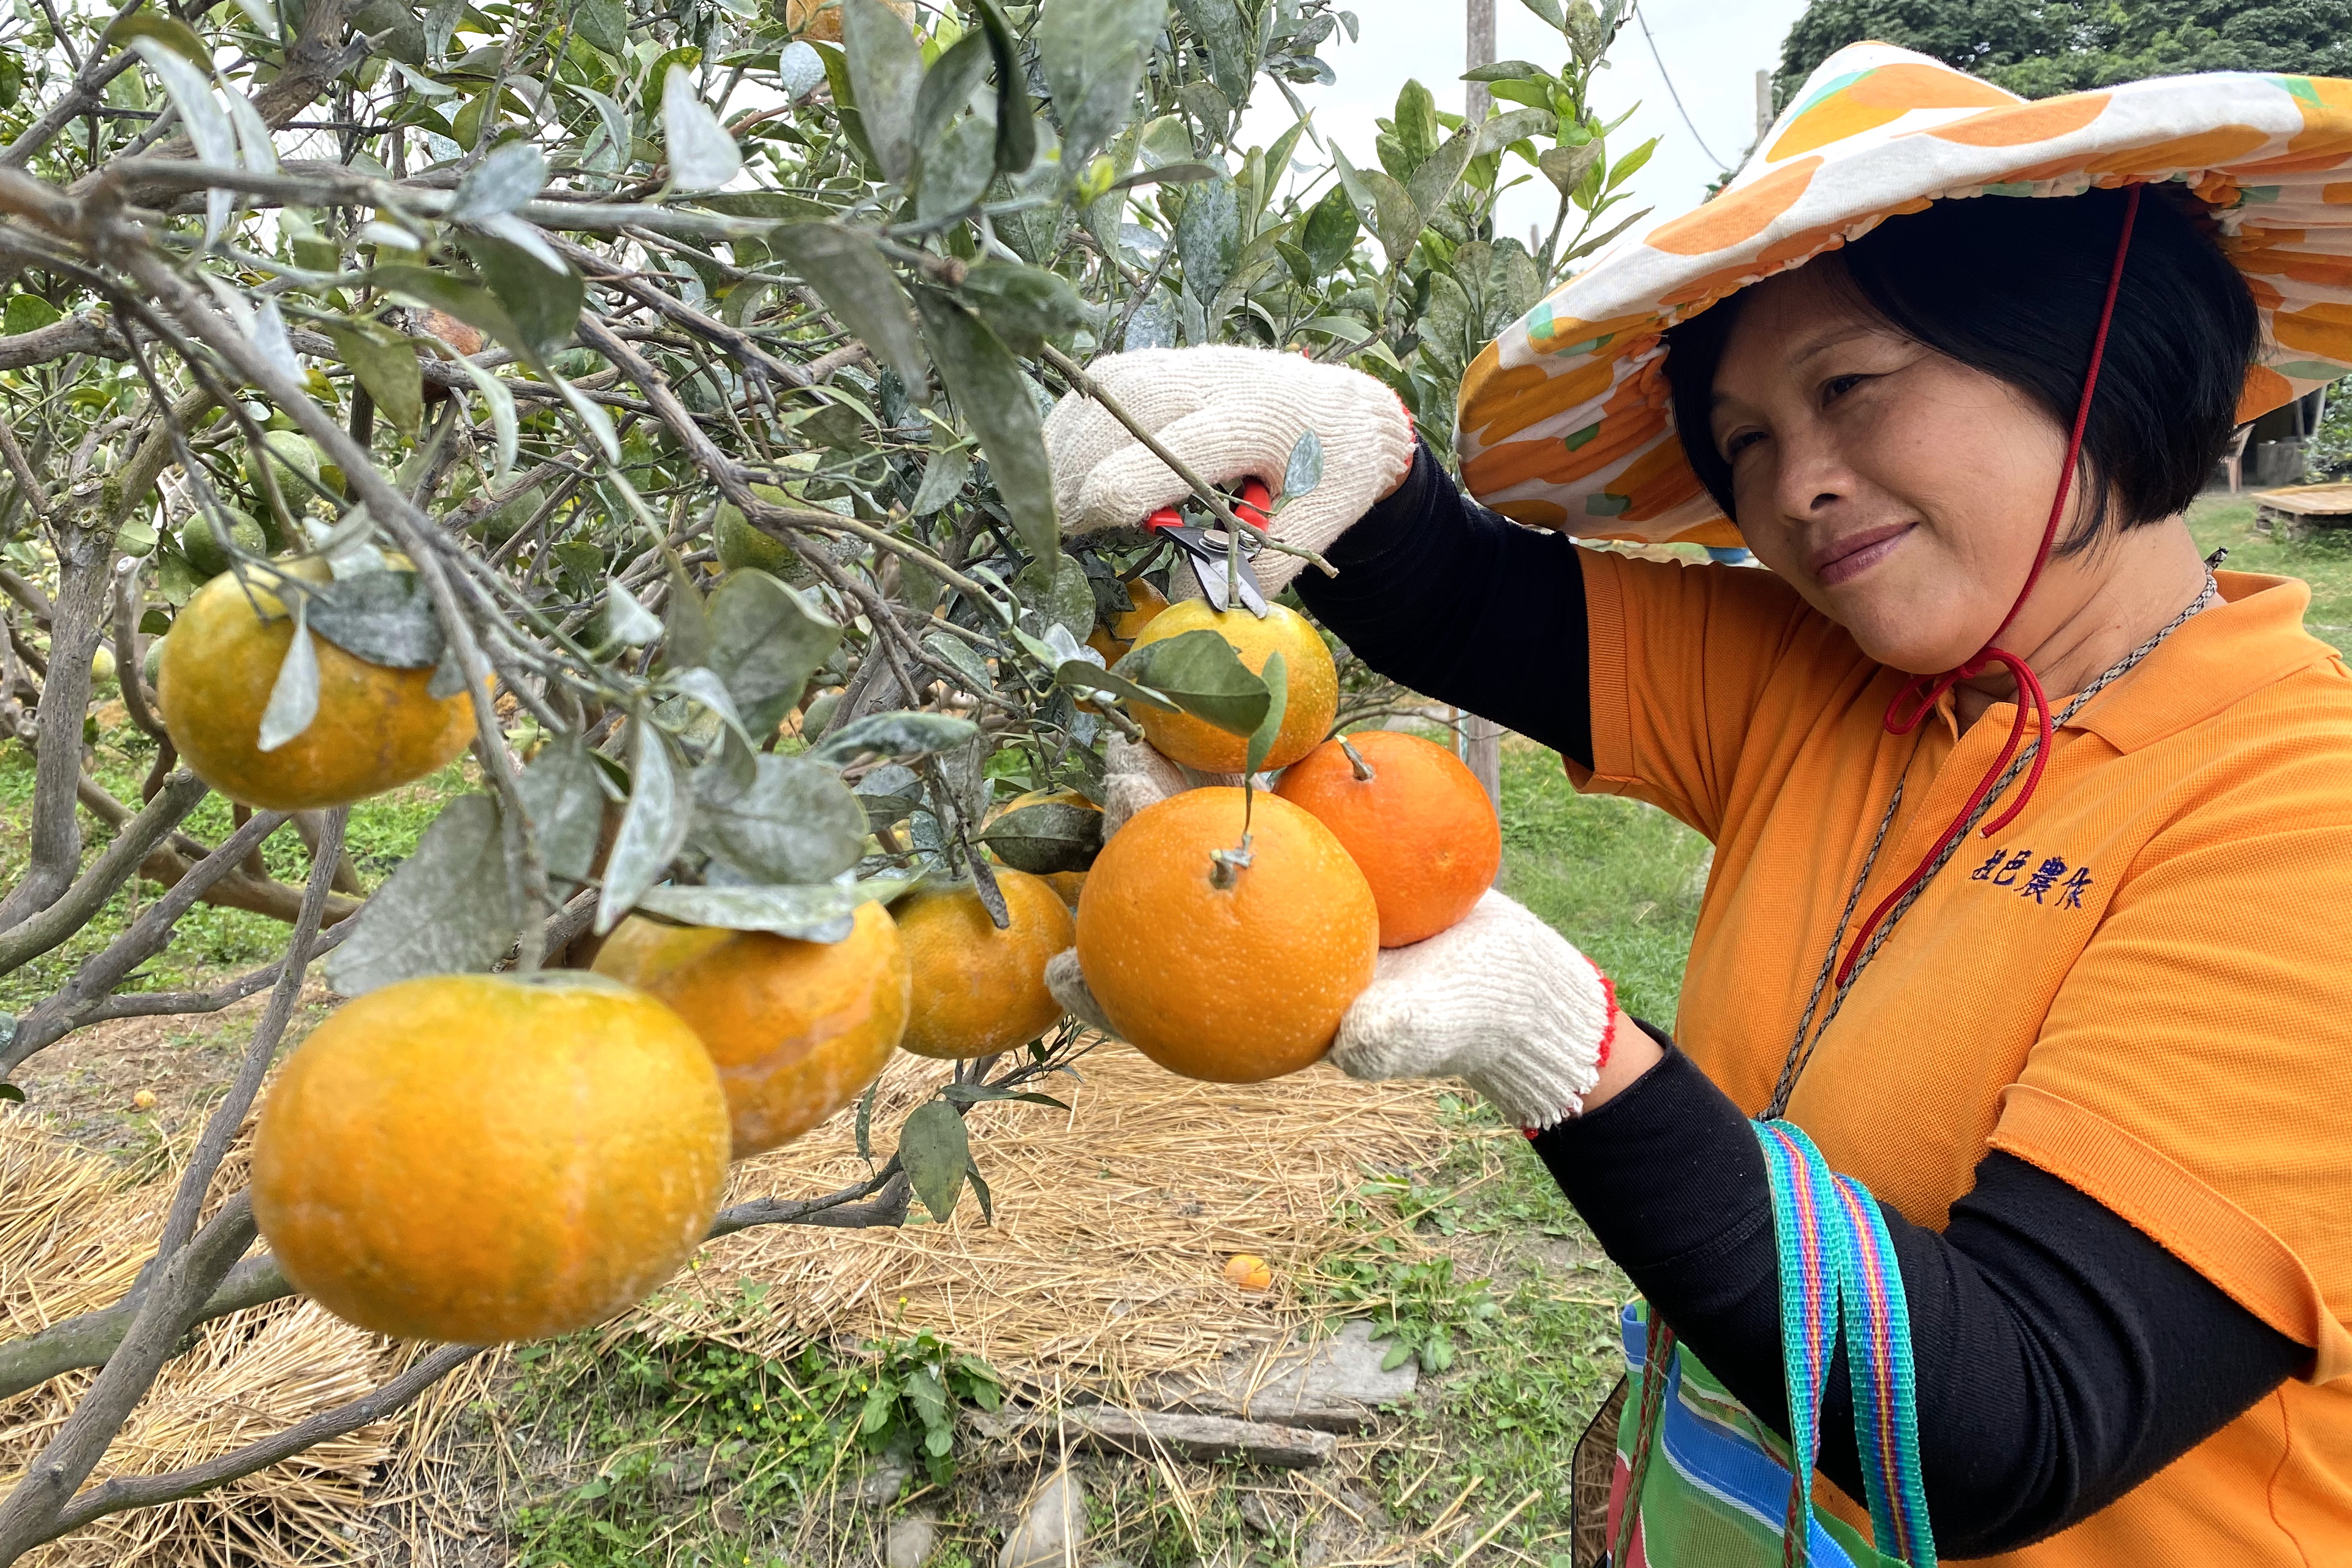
[[2324, 560]]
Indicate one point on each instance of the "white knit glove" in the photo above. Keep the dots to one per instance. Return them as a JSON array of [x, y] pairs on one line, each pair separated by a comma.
[[1229, 415], [1500, 1000]]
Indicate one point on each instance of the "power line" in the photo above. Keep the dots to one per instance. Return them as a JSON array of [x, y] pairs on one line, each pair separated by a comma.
[[1643, 16]]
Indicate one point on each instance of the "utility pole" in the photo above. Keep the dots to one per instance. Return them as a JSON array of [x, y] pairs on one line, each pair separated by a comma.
[[1763, 106], [1476, 100]]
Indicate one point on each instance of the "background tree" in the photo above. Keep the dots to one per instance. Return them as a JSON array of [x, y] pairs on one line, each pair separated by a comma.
[[2040, 49], [674, 371]]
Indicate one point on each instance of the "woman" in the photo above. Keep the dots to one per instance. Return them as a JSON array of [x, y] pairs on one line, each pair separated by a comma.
[[2051, 975]]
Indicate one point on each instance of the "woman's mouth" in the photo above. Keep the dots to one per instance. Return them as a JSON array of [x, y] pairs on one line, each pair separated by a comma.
[[1843, 560]]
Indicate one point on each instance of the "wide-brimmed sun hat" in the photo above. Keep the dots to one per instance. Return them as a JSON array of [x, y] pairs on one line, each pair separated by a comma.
[[1566, 419]]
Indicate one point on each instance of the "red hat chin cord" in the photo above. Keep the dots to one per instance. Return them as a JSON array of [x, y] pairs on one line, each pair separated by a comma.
[[1920, 694]]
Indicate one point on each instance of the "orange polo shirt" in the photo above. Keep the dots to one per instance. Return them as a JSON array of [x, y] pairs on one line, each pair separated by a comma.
[[2139, 985]]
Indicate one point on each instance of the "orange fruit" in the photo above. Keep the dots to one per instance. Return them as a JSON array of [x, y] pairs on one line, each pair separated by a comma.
[[1421, 829], [978, 989], [1235, 983], [1313, 680], [376, 726], [1249, 1271], [822, 18], [1113, 639], [483, 1157], [1065, 883], [798, 1030]]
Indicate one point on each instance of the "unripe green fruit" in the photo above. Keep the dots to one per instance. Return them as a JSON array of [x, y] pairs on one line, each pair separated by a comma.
[[203, 547]]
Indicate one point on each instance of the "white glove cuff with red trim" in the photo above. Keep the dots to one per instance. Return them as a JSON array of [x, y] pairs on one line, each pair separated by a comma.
[[1501, 1001]]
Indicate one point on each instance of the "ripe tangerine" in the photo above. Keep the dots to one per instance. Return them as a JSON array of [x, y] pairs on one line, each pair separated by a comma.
[[1113, 638], [376, 726], [473, 1158], [797, 1030], [1420, 828], [1249, 1271], [978, 989], [1314, 682], [1235, 983]]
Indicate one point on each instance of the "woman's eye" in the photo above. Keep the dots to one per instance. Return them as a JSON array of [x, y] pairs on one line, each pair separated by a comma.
[[1740, 442], [1838, 386]]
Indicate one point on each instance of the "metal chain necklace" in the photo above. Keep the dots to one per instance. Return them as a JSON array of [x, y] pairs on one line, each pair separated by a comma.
[[1801, 1049]]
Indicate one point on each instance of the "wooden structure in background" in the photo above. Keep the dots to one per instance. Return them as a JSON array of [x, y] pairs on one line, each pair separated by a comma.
[[2302, 509]]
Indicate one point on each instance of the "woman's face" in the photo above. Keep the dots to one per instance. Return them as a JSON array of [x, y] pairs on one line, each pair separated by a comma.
[[1902, 493]]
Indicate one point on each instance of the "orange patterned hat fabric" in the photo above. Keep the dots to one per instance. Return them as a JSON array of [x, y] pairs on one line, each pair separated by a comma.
[[1566, 420]]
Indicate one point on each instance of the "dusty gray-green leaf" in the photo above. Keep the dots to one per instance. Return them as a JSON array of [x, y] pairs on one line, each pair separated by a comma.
[[1385, 205], [1513, 125], [957, 167], [1277, 687], [294, 695], [602, 23], [944, 473], [935, 1151], [962, 657], [797, 822], [1093, 52], [444, 911], [626, 622], [383, 617], [1081, 676], [702, 156], [804, 913], [1305, 469], [388, 370], [886, 69], [948, 85], [843, 266], [766, 640], [1440, 173], [1017, 122], [562, 791], [992, 396], [1565, 166], [508, 175], [1227, 34], [901, 734], [1048, 837], [1025, 305], [652, 831], [1209, 235], [1200, 672], [1062, 598]]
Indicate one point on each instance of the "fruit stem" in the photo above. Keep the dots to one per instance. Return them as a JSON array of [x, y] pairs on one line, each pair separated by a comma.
[[1364, 774], [1229, 865]]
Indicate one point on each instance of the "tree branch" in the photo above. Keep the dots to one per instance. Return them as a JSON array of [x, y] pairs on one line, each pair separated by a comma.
[[50, 926]]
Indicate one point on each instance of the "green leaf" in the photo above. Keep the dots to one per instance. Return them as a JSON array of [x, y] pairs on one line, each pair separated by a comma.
[[1509, 70], [842, 265], [1385, 205], [445, 910], [962, 657], [766, 640], [935, 1150], [993, 397], [1017, 122], [794, 823], [901, 734], [1062, 595], [1565, 165], [543, 303], [1200, 672], [1269, 728], [388, 369], [11, 1093], [944, 473], [1093, 52], [29, 313], [1048, 837], [1082, 675], [702, 156], [1417, 129], [1330, 231], [1305, 469], [652, 829], [167, 30], [606, 25], [1228, 33], [1435, 180], [886, 69], [948, 85], [1628, 166], [383, 617], [956, 169], [506, 177], [1026, 305]]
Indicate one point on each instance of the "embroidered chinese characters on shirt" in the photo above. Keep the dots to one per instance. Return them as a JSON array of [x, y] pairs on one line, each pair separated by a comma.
[[2047, 880]]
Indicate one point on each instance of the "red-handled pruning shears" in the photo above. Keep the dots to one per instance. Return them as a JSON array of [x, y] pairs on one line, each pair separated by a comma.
[[1206, 549]]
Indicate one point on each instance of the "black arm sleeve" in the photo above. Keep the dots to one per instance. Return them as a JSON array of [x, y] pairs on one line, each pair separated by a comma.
[[1443, 596], [2062, 1356]]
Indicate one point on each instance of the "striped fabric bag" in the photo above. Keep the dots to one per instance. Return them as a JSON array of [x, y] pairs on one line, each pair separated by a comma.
[[1716, 1487]]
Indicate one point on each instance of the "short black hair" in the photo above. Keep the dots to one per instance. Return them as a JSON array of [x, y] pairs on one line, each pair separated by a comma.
[[2014, 287]]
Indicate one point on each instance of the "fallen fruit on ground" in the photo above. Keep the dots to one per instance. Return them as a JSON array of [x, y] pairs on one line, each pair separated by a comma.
[[1313, 680], [1066, 883], [978, 989], [1113, 638], [797, 1030], [377, 727], [474, 1158], [1221, 971], [1417, 823], [1249, 1271]]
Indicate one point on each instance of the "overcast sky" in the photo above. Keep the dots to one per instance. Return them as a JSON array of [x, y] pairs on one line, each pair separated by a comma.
[[1711, 48]]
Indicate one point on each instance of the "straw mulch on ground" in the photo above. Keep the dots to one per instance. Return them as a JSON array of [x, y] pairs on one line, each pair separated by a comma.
[[1113, 1223]]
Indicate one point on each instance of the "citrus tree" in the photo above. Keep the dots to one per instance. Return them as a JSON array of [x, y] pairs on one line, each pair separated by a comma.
[[646, 397]]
